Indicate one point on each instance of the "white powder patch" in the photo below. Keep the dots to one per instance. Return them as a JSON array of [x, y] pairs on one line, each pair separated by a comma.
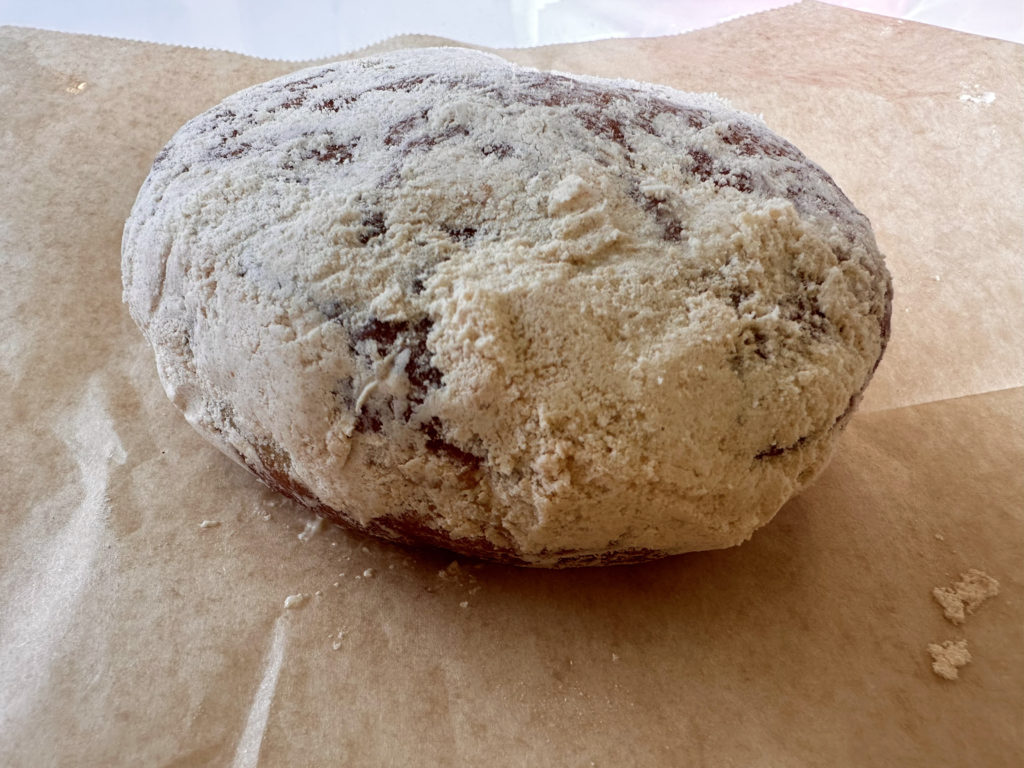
[[974, 95], [985, 98]]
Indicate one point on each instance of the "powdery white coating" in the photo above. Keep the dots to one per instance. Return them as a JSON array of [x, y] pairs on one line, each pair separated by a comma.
[[535, 317]]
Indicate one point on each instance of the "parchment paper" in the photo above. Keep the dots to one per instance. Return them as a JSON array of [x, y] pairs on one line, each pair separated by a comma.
[[130, 635]]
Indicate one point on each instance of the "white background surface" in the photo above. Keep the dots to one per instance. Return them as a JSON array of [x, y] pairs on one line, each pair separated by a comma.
[[306, 29]]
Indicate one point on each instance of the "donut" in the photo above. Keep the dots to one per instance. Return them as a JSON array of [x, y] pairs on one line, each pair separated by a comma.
[[525, 316]]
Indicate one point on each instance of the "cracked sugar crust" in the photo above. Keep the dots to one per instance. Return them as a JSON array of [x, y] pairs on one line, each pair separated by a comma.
[[527, 316]]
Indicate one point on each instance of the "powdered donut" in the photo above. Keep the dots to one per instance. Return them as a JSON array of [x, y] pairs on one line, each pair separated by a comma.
[[526, 316]]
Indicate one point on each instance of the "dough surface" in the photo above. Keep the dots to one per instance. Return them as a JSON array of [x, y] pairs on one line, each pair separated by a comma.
[[531, 317]]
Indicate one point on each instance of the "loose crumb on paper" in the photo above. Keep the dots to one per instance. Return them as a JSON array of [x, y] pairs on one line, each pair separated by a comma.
[[295, 601], [457, 575], [336, 642], [209, 523], [312, 528], [965, 596], [369, 573], [948, 657], [453, 571]]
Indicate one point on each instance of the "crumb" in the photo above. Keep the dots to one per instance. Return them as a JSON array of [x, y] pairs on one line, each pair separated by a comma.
[[209, 523], [336, 644], [312, 528], [964, 597], [615, 657], [939, 537], [294, 601], [366, 550], [391, 567], [318, 593], [464, 604], [948, 657], [336, 583], [368, 573]]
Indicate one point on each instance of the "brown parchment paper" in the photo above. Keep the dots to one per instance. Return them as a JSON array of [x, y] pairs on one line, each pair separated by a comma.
[[131, 636]]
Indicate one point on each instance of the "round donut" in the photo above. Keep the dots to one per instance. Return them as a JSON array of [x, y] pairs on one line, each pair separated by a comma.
[[526, 316]]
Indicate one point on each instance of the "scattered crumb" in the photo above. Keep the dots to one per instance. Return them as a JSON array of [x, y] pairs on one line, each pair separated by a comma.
[[964, 597], [982, 98], [391, 567], [334, 543], [939, 537], [464, 604], [948, 657], [336, 643], [454, 570], [312, 528], [209, 523], [337, 583], [615, 657], [366, 550], [318, 593], [295, 601], [368, 573]]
